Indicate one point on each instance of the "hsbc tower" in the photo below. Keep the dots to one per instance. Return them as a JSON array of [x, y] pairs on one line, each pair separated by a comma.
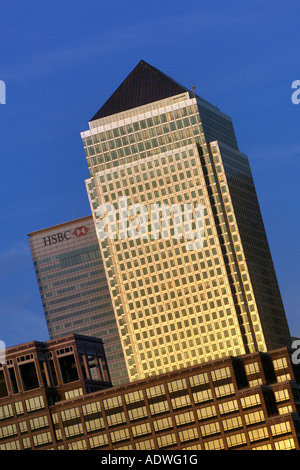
[[73, 287]]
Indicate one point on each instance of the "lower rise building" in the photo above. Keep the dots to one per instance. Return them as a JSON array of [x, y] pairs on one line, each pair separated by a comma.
[[57, 395]]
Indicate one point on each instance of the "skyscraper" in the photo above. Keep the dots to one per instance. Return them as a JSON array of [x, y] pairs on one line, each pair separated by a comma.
[[74, 289], [154, 143]]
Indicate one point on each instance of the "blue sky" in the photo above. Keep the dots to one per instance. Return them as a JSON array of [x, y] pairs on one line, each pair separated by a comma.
[[61, 60]]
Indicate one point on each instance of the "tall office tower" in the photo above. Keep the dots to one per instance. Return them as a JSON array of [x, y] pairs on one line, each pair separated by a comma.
[[156, 145], [74, 289]]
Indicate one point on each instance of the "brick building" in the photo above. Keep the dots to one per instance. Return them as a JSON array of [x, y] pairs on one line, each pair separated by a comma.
[[57, 395]]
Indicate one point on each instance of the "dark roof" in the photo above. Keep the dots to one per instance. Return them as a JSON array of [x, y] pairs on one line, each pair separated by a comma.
[[143, 85]]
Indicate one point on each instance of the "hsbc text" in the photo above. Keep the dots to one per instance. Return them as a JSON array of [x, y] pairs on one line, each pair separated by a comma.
[[57, 238], [61, 236]]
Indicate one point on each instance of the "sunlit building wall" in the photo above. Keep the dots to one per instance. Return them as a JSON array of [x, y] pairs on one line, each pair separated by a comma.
[[155, 142]]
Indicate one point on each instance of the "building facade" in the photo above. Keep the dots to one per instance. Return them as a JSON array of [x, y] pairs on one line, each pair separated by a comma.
[[153, 149], [248, 402], [74, 289]]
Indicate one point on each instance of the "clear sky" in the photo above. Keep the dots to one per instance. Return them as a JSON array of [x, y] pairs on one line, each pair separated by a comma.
[[61, 60]]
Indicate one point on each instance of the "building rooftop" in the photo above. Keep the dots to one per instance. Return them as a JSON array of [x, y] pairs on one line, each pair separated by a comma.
[[145, 84], [63, 224]]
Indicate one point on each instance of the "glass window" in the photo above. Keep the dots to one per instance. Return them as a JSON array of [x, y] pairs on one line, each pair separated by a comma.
[[281, 428], [35, 403], [236, 440], [232, 423], [91, 408], [41, 439], [212, 428], [161, 424], [71, 413], [159, 407], [78, 445], [227, 389], [73, 430], [219, 374], [252, 418], [228, 406], [285, 444], [206, 412], [215, 444], [6, 411], [114, 410], [6, 431], [180, 400], [156, 391], [280, 363], [283, 410], [29, 376], [141, 429], [251, 400], [40, 422], [166, 440], [263, 447], [188, 435], [19, 408], [257, 434], [145, 445], [137, 412], [116, 418], [252, 368], [94, 424], [184, 418], [12, 445], [133, 397], [23, 426], [119, 435], [282, 395], [26, 443], [98, 441]]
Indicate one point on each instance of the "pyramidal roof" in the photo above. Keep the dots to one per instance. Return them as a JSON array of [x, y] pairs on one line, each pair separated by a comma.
[[143, 85]]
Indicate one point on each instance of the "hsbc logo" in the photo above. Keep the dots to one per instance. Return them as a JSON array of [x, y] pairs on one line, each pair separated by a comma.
[[79, 231], [67, 235]]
